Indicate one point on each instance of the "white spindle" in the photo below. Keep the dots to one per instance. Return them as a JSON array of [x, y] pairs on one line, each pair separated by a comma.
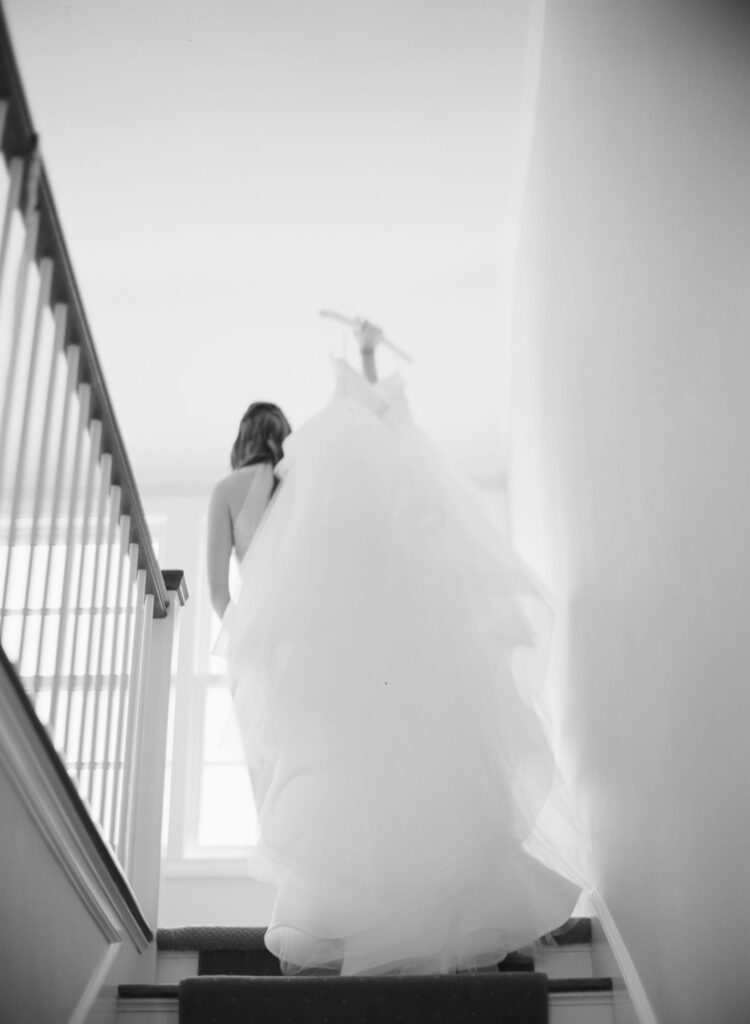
[[105, 807], [60, 327], [132, 600], [139, 663], [45, 284], [19, 306], [83, 602], [60, 323], [28, 255], [73, 355], [12, 200], [97, 601], [96, 737], [84, 404]]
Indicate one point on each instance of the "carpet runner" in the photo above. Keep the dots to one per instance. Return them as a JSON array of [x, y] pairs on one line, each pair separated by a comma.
[[501, 998], [239, 981]]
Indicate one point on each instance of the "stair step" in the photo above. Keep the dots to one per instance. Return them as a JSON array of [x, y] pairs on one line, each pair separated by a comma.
[[570, 1000], [210, 937], [554, 985], [563, 961], [209, 950], [516, 962], [173, 966], [575, 932], [443, 999]]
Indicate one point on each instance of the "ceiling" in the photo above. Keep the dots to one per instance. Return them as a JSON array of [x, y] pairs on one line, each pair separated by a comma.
[[225, 169]]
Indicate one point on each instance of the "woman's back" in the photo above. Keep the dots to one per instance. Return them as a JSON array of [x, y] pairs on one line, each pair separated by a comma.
[[238, 503], [248, 491]]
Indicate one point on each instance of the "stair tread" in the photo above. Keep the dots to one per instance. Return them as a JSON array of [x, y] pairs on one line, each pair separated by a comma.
[[172, 991], [580, 985], [142, 991], [210, 937], [382, 999], [576, 931]]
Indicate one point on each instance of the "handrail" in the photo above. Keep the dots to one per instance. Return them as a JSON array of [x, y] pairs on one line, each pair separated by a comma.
[[80, 586], [20, 140]]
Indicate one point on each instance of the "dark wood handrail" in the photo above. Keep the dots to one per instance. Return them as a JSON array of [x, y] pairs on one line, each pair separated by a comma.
[[20, 140]]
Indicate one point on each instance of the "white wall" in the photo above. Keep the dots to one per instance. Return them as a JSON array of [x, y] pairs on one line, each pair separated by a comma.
[[630, 488], [67, 930], [355, 155], [51, 948]]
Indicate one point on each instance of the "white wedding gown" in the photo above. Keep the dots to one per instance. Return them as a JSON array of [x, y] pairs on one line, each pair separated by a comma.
[[398, 765]]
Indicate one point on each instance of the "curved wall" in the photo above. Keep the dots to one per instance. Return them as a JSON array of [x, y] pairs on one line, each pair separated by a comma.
[[630, 465]]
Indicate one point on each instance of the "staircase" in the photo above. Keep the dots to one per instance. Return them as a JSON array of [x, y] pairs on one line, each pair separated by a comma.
[[226, 975], [85, 667]]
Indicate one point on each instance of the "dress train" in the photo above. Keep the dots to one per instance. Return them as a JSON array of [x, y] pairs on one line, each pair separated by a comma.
[[398, 764]]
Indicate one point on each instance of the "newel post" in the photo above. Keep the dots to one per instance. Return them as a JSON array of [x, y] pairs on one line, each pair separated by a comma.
[[143, 856]]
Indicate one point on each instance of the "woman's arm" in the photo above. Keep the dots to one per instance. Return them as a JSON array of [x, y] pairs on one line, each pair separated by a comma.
[[219, 550], [368, 336], [369, 369]]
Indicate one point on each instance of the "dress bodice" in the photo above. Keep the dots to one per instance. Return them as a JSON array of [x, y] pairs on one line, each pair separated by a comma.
[[386, 397]]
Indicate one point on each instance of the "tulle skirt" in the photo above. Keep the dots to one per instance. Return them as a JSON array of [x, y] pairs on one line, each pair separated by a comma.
[[398, 764]]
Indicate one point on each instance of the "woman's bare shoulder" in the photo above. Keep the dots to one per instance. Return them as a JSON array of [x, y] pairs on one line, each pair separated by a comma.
[[232, 488], [222, 490]]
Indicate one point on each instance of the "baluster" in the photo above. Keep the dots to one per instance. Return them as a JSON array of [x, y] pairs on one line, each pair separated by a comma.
[[45, 285], [73, 355], [104, 814], [84, 404], [11, 388], [80, 601], [114, 516], [60, 327], [19, 305], [97, 604], [12, 201], [138, 666], [125, 690]]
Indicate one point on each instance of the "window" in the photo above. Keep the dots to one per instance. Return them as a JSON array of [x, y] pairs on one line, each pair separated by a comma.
[[209, 811]]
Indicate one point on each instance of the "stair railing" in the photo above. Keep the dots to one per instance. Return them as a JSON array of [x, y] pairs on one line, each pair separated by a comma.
[[85, 611]]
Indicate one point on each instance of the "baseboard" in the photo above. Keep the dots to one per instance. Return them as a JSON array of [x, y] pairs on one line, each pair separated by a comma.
[[630, 1000]]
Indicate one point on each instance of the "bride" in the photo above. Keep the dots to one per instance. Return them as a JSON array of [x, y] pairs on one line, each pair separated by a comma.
[[399, 768]]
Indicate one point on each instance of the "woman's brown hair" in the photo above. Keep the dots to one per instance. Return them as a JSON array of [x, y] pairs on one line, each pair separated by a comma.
[[260, 436]]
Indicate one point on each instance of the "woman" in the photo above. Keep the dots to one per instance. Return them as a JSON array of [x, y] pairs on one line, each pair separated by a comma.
[[399, 768], [239, 501]]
